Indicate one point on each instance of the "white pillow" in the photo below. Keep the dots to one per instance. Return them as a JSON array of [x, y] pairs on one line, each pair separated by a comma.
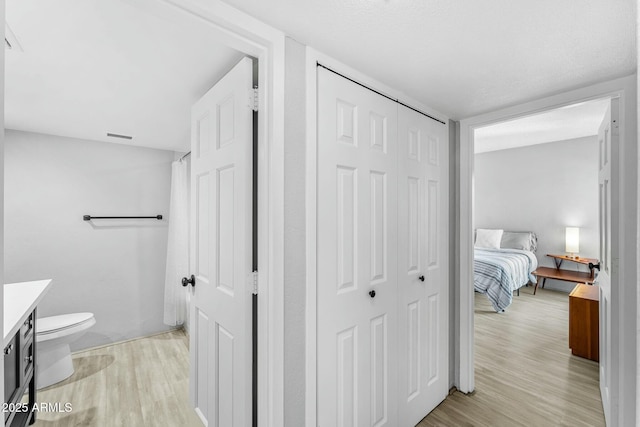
[[518, 240], [488, 238]]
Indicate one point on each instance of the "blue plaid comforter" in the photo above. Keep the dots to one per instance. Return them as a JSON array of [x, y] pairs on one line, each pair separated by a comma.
[[499, 272]]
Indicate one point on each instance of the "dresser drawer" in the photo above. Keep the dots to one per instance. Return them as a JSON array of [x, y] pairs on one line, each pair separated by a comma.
[[27, 359], [27, 327], [12, 374]]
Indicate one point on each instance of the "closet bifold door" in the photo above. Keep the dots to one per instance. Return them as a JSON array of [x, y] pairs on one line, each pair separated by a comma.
[[423, 292], [357, 291]]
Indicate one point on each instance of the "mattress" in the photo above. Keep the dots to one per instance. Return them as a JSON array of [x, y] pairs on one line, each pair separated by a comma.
[[499, 272]]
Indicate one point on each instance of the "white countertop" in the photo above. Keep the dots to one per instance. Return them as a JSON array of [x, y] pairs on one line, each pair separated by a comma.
[[19, 300]]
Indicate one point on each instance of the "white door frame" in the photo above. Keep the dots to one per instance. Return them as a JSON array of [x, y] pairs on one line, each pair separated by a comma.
[[254, 38], [624, 335], [2, 59], [313, 57]]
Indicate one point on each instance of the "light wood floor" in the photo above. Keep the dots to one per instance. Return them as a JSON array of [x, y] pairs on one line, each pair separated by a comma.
[[134, 384], [525, 373], [525, 376]]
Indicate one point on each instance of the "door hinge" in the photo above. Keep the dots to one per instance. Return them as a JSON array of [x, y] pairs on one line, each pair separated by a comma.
[[255, 283], [253, 99]]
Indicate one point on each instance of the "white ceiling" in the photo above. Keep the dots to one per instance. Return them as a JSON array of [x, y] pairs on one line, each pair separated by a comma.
[[573, 121], [465, 57], [89, 67]]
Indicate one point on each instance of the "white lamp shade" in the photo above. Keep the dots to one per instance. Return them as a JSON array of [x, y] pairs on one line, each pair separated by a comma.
[[573, 240]]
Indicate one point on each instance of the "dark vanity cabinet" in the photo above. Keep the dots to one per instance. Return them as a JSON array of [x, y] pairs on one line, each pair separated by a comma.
[[19, 375]]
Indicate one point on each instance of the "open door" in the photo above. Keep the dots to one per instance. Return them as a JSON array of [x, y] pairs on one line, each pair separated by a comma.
[[607, 139], [221, 251]]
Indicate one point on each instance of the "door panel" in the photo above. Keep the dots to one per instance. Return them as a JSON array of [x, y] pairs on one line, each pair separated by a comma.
[[423, 291], [357, 351], [607, 135], [379, 370], [221, 248], [433, 187]]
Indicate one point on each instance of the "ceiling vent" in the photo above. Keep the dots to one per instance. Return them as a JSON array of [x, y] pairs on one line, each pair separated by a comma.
[[116, 135], [10, 40]]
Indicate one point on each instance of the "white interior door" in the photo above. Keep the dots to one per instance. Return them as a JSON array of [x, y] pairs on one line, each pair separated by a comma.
[[423, 287], [607, 139], [357, 229], [221, 236]]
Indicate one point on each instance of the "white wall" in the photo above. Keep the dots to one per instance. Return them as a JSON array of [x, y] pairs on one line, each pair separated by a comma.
[[542, 188], [2, 138], [638, 232], [294, 234], [113, 268]]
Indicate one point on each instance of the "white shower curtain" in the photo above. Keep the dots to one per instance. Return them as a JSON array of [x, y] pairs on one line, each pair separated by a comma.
[[175, 295]]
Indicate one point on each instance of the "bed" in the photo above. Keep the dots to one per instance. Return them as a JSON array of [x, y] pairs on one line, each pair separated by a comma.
[[504, 265]]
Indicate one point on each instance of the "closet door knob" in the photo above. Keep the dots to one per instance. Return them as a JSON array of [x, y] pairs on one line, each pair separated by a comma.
[[421, 278], [191, 280], [372, 293]]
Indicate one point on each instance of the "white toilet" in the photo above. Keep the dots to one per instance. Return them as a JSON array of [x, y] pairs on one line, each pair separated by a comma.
[[53, 354]]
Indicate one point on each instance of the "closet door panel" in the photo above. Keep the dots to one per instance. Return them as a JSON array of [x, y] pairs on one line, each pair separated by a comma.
[[423, 265], [356, 235]]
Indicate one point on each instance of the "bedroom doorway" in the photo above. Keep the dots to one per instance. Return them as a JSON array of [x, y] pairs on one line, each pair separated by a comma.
[[535, 183], [623, 214]]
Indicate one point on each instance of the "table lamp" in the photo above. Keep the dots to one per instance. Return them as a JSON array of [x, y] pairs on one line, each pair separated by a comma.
[[572, 241]]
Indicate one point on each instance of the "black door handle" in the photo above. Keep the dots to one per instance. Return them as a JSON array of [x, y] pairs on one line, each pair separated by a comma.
[[372, 293], [592, 266], [191, 280], [421, 278]]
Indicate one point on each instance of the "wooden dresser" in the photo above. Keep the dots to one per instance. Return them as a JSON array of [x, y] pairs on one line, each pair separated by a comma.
[[584, 321]]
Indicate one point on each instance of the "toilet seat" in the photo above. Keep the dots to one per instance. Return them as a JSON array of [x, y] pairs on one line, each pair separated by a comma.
[[48, 328]]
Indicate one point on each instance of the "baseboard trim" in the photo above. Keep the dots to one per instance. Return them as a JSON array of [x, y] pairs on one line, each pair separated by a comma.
[[179, 328]]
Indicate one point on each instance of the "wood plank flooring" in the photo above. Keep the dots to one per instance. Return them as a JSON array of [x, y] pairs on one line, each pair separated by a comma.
[[136, 383], [525, 376], [525, 373]]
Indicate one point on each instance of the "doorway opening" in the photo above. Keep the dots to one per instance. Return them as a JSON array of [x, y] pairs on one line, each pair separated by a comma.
[[534, 178], [66, 93], [621, 390]]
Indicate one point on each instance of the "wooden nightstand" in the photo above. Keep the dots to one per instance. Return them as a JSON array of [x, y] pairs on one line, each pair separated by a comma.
[[584, 338]]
